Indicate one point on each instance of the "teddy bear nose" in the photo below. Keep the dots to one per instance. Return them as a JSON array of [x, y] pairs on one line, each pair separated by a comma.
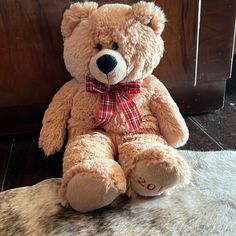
[[106, 63]]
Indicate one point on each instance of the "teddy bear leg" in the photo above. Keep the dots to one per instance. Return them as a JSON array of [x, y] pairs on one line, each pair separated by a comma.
[[91, 179], [152, 167]]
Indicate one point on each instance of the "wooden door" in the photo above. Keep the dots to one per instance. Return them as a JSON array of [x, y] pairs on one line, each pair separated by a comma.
[[198, 41], [215, 48], [31, 62], [179, 64], [31, 66]]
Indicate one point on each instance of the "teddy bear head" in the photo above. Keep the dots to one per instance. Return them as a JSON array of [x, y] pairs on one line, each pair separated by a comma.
[[114, 42]]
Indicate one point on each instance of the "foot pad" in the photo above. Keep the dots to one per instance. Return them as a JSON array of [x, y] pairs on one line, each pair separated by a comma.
[[86, 193], [152, 179]]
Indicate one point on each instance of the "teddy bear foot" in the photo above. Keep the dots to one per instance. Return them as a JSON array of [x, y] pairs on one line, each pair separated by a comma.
[[93, 195], [90, 188], [155, 179], [151, 180]]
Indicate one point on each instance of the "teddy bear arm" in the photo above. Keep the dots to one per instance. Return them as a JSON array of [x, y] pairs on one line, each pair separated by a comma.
[[53, 132], [171, 123]]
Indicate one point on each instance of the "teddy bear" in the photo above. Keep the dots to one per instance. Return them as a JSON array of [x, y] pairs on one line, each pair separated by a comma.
[[121, 124]]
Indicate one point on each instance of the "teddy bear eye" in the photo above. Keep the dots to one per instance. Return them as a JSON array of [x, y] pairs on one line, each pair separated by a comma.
[[115, 46], [99, 46]]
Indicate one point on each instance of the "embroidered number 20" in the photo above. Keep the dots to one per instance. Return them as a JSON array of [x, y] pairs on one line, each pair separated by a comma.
[[144, 184]]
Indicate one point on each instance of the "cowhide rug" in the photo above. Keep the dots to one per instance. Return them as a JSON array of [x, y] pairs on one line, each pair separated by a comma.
[[206, 207]]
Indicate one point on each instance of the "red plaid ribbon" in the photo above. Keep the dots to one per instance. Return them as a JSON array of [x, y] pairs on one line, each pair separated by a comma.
[[116, 94]]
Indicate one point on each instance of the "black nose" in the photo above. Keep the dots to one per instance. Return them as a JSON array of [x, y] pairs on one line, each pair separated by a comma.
[[106, 63]]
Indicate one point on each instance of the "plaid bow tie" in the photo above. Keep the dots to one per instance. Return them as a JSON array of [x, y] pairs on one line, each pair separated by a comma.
[[116, 94]]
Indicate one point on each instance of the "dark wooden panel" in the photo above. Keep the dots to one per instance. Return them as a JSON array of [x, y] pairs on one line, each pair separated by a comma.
[[232, 81], [28, 165], [21, 119], [31, 67], [177, 68], [216, 39], [202, 98]]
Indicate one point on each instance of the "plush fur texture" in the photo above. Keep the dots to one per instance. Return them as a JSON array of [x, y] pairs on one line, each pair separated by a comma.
[[205, 207], [89, 33]]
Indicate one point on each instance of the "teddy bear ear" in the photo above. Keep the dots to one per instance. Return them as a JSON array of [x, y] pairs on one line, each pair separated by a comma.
[[150, 14], [74, 15]]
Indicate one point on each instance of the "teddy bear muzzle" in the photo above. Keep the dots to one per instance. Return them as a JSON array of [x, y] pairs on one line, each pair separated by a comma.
[[108, 66]]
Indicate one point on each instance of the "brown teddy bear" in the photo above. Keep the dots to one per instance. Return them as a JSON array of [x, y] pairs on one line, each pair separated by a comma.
[[121, 122]]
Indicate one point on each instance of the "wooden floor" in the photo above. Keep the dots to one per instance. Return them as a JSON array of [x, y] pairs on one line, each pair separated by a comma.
[[22, 163]]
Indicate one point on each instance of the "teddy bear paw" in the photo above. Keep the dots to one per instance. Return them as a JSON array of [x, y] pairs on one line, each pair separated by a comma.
[[92, 186], [153, 179], [86, 193]]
